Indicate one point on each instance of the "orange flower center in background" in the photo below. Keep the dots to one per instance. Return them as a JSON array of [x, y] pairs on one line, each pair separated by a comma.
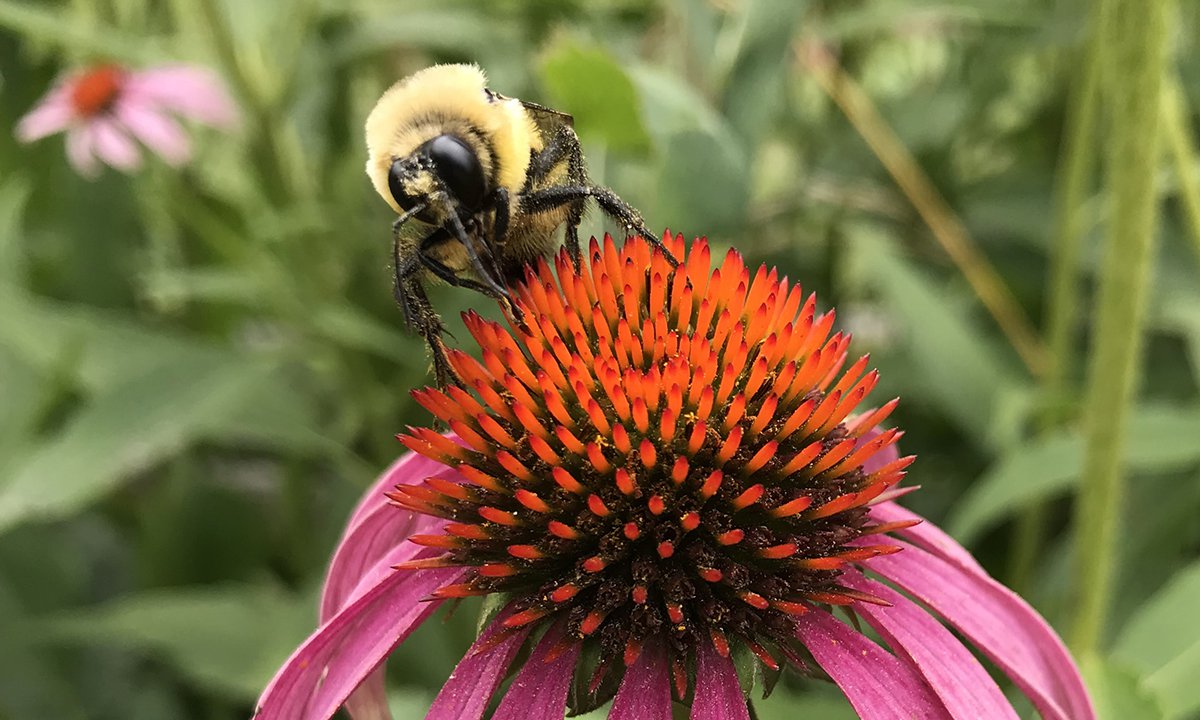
[[95, 90]]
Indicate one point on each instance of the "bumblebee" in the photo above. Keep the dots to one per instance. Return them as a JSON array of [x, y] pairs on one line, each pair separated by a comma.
[[481, 183]]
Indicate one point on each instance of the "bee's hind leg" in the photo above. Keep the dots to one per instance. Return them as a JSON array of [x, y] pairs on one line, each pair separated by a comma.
[[609, 202], [563, 144]]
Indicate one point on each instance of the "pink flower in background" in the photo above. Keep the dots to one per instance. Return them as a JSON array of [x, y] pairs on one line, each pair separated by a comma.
[[659, 470], [105, 108]]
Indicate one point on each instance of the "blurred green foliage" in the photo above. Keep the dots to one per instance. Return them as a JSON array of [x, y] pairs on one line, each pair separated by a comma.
[[200, 370]]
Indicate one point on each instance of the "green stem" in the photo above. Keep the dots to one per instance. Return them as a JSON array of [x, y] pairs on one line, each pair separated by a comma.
[[1184, 156], [1136, 34], [1077, 167]]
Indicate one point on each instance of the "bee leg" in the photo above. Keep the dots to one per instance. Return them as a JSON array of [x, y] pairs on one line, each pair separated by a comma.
[[444, 272], [500, 206], [488, 276], [420, 315], [609, 202], [563, 144]]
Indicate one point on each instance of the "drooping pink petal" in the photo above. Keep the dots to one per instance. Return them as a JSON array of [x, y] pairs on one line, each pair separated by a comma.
[[927, 535], [878, 685], [52, 114], [466, 693], [963, 685], [645, 692], [539, 692], [718, 695], [80, 141], [193, 92], [113, 146], [154, 130], [369, 700], [335, 659], [375, 528], [1002, 625]]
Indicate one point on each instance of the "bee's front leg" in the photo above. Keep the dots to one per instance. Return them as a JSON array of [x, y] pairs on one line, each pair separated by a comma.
[[420, 315]]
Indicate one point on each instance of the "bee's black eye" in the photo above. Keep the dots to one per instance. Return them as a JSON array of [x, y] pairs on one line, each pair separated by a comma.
[[459, 169], [396, 175]]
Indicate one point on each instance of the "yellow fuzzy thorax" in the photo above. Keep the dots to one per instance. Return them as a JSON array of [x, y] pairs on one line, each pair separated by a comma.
[[441, 98]]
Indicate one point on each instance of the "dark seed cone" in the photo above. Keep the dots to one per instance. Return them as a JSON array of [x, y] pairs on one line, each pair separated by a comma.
[[657, 454]]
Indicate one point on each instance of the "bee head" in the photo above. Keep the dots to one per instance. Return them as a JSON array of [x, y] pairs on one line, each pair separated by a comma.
[[444, 167]]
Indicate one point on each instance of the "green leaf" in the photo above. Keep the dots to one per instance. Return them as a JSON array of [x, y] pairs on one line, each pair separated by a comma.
[[884, 16], [588, 83], [443, 29], [699, 144], [955, 365], [1159, 439], [137, 424], [107, 348], [755, 86], [1162, 642], [350, 327], [229, 640], [817, 703], [718, 203], [58, 28], [1117, 692], [491, 606], [30, 684], [748, 667]]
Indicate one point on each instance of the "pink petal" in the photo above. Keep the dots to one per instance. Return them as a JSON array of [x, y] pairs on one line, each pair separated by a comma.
[[52, 114], [80, 142], [113, 146], [999, 623], [718, 695], [335, 659], [927, 535], [539, 691], [645, 692], [155, 130], [374, 529], [878, 685], [961, 682], [193, 92], [467, 691]]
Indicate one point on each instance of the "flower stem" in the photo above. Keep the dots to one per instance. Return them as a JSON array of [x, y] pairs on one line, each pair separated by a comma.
[[1077, 167], [1184, 156], [1135, 34]]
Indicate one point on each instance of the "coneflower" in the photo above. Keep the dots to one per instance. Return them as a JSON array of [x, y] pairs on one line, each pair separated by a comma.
[[106, 110], [654, 468]]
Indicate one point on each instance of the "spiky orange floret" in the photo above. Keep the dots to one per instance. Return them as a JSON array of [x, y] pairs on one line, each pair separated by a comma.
[[657, 452]]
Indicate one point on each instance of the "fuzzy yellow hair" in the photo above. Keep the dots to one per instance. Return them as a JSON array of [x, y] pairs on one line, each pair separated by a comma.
[[451, 94]]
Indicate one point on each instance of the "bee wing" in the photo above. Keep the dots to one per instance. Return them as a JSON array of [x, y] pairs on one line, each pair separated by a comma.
[[548, 120]]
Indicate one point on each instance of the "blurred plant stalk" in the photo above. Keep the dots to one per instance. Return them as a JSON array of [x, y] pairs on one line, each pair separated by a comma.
[[937, 214], [1184, 156], [1135, 35], [1073, 187]]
